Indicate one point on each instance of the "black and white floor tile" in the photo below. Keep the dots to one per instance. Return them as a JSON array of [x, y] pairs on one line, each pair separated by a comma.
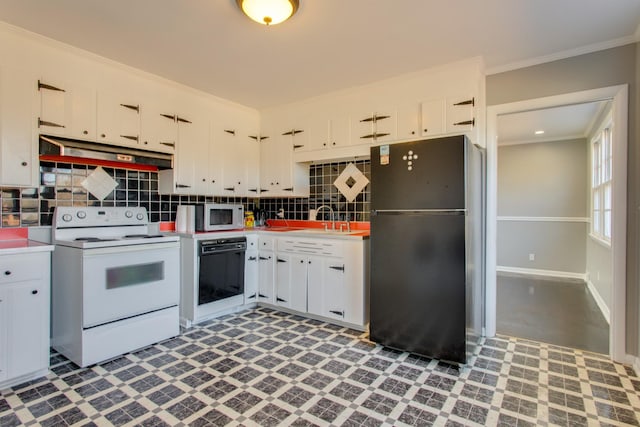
[[266, 368]]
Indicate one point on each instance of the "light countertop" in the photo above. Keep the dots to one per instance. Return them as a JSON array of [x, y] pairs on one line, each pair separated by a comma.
[[21, 246]]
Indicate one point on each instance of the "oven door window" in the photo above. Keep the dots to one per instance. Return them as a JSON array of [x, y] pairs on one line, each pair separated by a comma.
[[220, 216], [130, 275]]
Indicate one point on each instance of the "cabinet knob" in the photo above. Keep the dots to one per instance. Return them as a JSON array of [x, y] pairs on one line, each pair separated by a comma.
[[301, 261], [413, 132], [34, 292], [426, 130], [324, 144], [103, 135], [213, 181], [7, 273], [24, 163], [85, 132], [146, 142], [333, 143], [203, 180]]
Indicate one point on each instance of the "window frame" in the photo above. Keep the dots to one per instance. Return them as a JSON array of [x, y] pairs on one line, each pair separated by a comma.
[[601, 183]]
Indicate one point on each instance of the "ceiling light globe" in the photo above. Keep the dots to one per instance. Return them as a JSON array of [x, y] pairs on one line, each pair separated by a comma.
[[268, 12]]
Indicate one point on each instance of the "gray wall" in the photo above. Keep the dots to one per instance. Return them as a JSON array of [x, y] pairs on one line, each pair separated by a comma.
[[547, 179], [590, 71]]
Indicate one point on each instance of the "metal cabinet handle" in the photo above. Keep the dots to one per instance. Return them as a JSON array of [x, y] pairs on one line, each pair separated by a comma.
[[337, 267], [251, 296], [182, 185], [252, 258], [282, 260], [280, 299], [135, 108], [263, 258], [295, 147], [339, 313], [471, 122], [169, 116], [230, 189], [49, 87], [182, 120], [50, 124], [263, 296], [168, 144], [293, 132], [230, 131], [287, 189], [130, 137], [471, 102]]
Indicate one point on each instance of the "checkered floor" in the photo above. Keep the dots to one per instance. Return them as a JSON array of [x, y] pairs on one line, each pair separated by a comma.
[[267, 368]]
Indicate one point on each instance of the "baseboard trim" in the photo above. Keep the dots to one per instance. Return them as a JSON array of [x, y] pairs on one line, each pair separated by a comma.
[[636, 365], [542, 273], [598, 298]]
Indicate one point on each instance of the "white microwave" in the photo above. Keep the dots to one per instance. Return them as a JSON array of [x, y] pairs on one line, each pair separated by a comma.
[[219, 216]]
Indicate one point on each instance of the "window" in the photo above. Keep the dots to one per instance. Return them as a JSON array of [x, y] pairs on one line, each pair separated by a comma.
[[601, 162]]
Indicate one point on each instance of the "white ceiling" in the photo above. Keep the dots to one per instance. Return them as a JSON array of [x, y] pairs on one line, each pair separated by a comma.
[[558, 123], [328, 45]]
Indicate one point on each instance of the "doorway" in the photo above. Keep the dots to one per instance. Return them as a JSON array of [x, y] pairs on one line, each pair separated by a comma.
[[618, 96]]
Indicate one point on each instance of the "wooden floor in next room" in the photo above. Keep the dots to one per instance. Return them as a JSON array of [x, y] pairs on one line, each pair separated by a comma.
[[555, 311]]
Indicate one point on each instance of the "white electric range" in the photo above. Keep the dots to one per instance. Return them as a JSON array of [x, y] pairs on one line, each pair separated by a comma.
[[115, 286]]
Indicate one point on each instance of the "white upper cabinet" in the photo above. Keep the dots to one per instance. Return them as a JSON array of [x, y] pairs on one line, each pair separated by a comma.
[[433, 117], [408, 123], [460, 113], [118, 119], [66, 109], [374, 126], [158, 125], [18, 142]]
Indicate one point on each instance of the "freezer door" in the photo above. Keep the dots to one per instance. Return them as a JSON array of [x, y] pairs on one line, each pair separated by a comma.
[[418, 284], [435, 179]]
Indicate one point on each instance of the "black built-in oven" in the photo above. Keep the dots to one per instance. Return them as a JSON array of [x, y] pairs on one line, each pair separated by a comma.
[[221, 272]]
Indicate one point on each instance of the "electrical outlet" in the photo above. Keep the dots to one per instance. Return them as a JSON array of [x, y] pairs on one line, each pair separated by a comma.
[[532, 257]]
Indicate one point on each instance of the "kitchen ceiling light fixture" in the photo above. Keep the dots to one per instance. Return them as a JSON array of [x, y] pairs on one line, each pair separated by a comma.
[[268, 12]]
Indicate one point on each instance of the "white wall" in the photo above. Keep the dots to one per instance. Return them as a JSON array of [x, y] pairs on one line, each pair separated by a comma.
[[542, 206]]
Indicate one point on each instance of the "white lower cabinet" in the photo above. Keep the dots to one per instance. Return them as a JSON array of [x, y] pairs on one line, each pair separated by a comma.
[[290, 281], [323, 277], [24, 317], [266, 269]]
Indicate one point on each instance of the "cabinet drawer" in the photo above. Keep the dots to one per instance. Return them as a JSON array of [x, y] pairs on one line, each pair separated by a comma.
[[252, 242], [324, 247], [14, 268], [265, 243]]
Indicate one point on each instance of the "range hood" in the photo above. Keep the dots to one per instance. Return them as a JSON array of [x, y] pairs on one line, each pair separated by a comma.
[[57, 146]]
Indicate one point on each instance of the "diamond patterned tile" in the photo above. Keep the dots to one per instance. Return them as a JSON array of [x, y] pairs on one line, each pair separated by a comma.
[[261, 367]]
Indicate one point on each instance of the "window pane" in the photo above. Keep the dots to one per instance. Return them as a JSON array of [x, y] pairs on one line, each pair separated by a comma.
[[607, 224], [596, 222], [596, 199], [607, 197]]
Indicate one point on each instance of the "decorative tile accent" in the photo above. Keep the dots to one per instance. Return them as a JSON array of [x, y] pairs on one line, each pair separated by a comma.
[[351, 182], [211, 375]]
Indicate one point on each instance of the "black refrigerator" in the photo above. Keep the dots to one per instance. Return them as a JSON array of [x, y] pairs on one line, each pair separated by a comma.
[[426, 247]]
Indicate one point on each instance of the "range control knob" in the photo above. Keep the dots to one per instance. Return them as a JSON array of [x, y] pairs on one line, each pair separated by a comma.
[[128, 214], [81, 214], [67, 217], [140, 216]]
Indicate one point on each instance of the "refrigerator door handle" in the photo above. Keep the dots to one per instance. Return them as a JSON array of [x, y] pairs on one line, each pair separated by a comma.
[[376, 212]]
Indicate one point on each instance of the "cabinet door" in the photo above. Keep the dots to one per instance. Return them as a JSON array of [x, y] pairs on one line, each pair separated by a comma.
[[316, 128], [251, 275], [268, 165], [66, 109], [193, 139], [158, 127], [339, 130], [229, 139], [27, 335], [315, 285], [119, 119], [408, 121], [432, 114], [460, 113], [55, 106], [18, 150], [266, 267], [363, 128], [4, 326], [334, 288], [251, 154], [283, 280], [291, 281]]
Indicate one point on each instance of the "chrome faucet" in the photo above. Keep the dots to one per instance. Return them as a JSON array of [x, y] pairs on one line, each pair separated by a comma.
[[332, 218]]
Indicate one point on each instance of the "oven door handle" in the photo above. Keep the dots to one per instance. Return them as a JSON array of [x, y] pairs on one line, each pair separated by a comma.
[[129, 248]]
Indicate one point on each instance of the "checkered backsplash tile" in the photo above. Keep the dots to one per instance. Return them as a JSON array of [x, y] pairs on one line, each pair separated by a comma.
[[60, 185], [266, 368]]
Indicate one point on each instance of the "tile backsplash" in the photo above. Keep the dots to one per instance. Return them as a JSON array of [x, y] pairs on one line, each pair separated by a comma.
[[61, 185]]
